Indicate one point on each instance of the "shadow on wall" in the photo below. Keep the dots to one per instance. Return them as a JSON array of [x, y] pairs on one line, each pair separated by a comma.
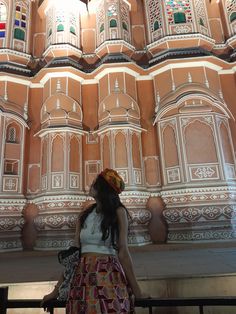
[[29, 232], [158, 225]]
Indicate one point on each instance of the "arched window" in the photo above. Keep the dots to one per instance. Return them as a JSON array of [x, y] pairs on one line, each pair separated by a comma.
[[72, 30], [179, 17], [156, 26], [232, 17], [113, 23], [3, 19], [19, 34], [60, 28], [11, 136]]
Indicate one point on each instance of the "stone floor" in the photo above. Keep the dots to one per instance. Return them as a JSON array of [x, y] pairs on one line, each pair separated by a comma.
[[150, 262]]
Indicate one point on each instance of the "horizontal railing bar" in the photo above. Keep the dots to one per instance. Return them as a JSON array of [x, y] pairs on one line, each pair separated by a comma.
[[155, 302], [152, 302]]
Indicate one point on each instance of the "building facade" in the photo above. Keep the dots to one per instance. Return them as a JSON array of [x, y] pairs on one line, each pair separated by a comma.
[[147, 87]]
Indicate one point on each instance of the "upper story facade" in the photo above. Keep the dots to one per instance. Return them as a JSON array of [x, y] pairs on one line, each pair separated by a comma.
[[34, 33]]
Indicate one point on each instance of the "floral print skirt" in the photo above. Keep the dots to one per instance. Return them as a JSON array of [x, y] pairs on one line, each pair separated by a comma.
[[99, 286]]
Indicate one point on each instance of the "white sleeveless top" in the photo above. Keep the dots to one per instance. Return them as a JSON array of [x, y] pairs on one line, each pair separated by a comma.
[[91, 236]]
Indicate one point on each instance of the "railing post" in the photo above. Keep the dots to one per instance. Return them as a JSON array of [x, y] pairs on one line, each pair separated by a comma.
[[3, 300], [51, 310], [201, 311]]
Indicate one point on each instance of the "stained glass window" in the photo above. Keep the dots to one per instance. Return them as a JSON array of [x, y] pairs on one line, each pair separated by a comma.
[[179, 17], [20, 22], [3, 18], [174, 7], [155, 16]]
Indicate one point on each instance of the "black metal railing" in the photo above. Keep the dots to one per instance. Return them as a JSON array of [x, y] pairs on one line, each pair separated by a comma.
[[5, 303]]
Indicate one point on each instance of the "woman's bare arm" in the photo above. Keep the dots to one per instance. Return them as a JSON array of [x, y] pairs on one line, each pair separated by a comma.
[[123, 253]]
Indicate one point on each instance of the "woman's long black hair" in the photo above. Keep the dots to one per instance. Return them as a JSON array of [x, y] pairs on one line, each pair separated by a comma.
[[109, 201]]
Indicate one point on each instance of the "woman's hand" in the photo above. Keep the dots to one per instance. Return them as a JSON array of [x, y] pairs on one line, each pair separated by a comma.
[[142, 295], [52, 295]]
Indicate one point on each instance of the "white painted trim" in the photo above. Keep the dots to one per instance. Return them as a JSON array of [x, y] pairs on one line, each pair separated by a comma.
[[65, 73], [90, 82], [14, 117], [121, 69], [119, 127], [144, 78], [15, 79], [190, 64], [43, 132]]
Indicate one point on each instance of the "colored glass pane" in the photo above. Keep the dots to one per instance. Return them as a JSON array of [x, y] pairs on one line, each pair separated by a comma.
[[72, 30], [18, 15], [125, 26], [233, 17], [2, 25], [102, 28], [60, 28], [201, 22], [179, 17], [113, 23], [156, 26], [23, 24], [23, 17], [2, 34], [17, 8], [19, 34], [17, 23], [23, 10]]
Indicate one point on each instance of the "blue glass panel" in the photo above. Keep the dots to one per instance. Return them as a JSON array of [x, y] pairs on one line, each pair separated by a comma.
[[2, 34], [23, 24], [17, 23]]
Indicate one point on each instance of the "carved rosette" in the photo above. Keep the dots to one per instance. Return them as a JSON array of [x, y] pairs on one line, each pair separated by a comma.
[[11, 224], [201, 219], [136, 202], [56, 222]]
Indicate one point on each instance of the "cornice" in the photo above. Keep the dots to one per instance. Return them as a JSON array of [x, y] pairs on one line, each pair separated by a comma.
[[180, 36]]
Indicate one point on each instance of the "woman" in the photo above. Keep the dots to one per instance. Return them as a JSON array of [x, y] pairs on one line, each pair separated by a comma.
[[104, 280]]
